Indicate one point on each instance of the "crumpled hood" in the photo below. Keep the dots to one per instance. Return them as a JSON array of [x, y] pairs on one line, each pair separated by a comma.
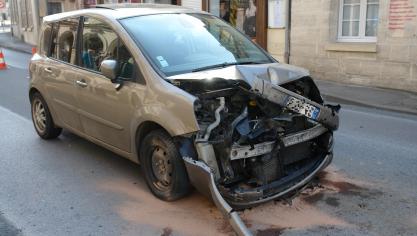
[[276, 73]]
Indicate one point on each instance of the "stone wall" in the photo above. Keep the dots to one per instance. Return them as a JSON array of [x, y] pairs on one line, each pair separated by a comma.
[[390, 62], [276, 43]]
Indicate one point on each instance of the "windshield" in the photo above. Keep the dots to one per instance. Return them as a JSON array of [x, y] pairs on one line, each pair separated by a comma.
[[182, 43]]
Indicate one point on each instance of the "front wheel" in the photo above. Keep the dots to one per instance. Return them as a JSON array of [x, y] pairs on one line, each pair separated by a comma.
[[163, 166], [42, 119]]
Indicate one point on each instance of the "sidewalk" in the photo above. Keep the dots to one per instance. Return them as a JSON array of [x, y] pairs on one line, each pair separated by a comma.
[[9, 42], [387, 99]]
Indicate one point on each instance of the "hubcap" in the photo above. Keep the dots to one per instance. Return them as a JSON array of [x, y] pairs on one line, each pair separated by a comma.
[[161, 167], [39, 115]]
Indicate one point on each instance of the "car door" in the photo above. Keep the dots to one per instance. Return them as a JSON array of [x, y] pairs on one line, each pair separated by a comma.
[[57, 70], [105, 112]]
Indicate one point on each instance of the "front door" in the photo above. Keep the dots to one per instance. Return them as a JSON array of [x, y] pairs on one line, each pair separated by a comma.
[[105, 112]]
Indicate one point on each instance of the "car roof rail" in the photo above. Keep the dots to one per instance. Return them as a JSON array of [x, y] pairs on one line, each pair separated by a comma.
[[104, 6], [115, 6]]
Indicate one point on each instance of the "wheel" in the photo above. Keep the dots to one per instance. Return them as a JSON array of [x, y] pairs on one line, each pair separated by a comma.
[[163, 167], [42, 119]]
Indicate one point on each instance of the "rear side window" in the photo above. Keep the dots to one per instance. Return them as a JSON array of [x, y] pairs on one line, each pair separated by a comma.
[[67, 38]]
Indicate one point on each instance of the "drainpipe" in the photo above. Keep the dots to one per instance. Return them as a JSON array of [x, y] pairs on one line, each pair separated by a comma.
[[287, 33], [36, 23]]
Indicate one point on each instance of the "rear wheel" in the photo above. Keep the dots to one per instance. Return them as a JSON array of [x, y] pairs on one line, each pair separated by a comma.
[[42, 119], [163, 167]]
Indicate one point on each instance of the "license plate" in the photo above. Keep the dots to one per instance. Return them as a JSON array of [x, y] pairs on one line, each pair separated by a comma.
[[303, 108]]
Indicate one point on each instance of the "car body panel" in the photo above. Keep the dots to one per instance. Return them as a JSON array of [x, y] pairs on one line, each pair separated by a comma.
[[275, 72], [149, 102]]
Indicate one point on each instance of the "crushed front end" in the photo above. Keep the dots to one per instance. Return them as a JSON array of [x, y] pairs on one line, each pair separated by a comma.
[[259, 139]]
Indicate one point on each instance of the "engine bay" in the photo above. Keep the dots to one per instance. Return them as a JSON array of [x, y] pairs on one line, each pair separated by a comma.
[[255, 146]]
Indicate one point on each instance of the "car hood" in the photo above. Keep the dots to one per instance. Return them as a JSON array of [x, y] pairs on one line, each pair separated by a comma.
[[276, 73]]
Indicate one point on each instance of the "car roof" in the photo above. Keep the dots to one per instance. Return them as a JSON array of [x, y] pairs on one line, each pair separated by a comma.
[[123, 10]]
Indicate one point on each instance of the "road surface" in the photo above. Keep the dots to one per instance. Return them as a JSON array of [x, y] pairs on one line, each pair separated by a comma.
[[70, 186]]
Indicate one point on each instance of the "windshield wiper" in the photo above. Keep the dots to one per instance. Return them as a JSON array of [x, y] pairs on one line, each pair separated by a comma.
[[226, 64]]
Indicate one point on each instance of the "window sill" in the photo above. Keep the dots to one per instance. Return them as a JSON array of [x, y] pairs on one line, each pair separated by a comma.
[[351, 47]]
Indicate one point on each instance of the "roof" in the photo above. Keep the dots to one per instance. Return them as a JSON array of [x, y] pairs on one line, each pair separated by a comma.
[[123, 10]]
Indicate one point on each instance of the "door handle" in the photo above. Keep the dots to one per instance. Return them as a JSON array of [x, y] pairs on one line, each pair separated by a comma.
[[47, 69], [81, 83]]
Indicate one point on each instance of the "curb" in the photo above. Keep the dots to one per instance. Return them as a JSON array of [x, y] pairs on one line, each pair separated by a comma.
[[332, 98], [16, 49]]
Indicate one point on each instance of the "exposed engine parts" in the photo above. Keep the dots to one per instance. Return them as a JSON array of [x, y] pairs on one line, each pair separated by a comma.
[[253, 137], [262, 136]]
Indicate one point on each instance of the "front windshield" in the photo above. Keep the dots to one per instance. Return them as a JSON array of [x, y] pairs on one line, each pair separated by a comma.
[[182, 43]]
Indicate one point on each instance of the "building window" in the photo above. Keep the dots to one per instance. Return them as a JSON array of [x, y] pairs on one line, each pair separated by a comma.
[[358, 20], [54, 7]]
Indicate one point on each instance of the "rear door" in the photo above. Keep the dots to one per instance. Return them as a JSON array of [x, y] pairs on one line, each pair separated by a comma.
[[106, 113], [58, 70]]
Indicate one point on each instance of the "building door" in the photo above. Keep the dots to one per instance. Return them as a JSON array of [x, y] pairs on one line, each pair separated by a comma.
[[249, 16]]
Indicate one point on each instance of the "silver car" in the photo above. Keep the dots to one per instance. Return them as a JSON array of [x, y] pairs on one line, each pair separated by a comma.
[[187, 96]]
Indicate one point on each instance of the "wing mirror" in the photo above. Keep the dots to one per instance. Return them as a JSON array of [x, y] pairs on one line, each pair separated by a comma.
[[109, 69]]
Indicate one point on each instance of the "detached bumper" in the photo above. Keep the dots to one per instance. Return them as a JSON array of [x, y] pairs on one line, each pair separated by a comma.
[[203, 179]]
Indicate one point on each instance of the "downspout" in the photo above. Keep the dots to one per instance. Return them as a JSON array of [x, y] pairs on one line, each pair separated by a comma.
[[287, 33], [35, 10]]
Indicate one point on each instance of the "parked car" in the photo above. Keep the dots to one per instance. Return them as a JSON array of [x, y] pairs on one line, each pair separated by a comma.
[[187, 96]]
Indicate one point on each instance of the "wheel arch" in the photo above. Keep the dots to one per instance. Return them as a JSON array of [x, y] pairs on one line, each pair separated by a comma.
[[143, 129], [32, 91]]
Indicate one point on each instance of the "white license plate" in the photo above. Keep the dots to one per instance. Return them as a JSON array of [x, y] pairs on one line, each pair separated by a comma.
[[303, 108]]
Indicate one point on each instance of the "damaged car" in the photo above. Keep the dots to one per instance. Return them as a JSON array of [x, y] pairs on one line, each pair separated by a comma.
[[188, 97]]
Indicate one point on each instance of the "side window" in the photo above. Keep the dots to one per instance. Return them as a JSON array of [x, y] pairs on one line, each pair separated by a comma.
[[53, 45], [67, 37], [125, 62], [99, 42]]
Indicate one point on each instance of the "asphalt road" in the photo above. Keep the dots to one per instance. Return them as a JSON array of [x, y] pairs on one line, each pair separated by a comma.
[[72, 187]]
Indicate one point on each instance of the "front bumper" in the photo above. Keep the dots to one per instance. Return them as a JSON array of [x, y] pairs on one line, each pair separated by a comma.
[[202, 177], [279, 188]]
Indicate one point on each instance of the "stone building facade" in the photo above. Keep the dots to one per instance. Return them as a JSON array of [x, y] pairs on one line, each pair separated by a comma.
[[366, 42], [26, 15]]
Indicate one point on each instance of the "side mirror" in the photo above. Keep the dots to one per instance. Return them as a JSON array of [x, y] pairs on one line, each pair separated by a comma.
[[109, 69]]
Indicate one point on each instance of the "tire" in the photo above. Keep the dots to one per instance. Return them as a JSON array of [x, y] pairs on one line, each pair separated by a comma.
[[163, 167], [42, 119]]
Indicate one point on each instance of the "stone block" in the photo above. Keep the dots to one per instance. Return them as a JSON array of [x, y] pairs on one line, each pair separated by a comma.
[[395, 71], [371, 68], [413, 54], [400, 53], [304, 49], [327, 65], [351, 67]]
